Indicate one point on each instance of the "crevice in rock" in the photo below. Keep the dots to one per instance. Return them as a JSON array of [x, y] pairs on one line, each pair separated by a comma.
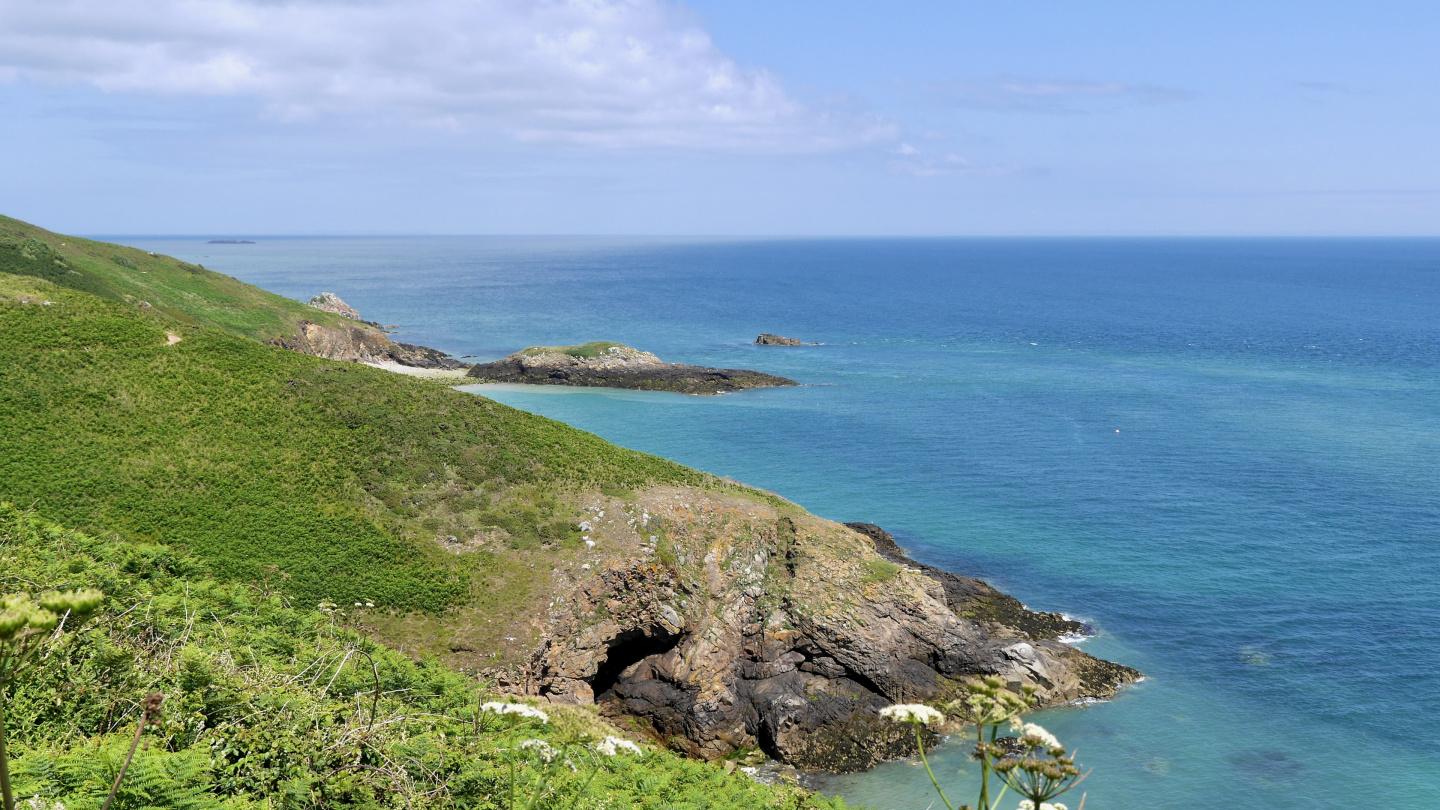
[[626, 650]]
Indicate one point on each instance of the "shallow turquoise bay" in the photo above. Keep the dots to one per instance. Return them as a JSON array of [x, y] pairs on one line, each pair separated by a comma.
[[1225, 454]]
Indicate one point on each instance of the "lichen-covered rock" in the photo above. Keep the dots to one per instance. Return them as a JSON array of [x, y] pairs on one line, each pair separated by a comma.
[[330, 302], [727, 623]]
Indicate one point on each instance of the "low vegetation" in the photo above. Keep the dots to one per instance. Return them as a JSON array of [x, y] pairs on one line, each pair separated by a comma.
[[185, 293], [266, 704], [589, 350]]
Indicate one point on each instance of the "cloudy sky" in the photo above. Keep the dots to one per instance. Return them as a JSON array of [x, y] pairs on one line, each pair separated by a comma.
[[721, 117]]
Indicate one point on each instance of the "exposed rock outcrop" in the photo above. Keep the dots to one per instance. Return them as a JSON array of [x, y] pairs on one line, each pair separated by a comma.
[[767, 339], [610, 365], [728, 623], [1001, 613], [362, 344], [330, 302]]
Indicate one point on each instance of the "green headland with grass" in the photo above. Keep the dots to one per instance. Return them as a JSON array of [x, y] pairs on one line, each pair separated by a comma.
[[329, 569]]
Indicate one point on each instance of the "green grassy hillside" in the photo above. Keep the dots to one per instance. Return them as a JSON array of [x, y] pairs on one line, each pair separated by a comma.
[[229, 494], [187, 293], [336, 476], [276, 707]]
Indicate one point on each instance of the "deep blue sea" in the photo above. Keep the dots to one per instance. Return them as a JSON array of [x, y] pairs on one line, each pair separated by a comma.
[[1224, 454]]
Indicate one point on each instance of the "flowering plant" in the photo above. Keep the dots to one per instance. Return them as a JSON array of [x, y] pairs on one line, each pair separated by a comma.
[[1035, 765]]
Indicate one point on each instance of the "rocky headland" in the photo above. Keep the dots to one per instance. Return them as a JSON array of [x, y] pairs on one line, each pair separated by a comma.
[[725, 622], [611, 365], [361, 342]]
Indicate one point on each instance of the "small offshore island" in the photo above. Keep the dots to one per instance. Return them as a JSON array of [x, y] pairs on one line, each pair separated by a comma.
[[611, 365]]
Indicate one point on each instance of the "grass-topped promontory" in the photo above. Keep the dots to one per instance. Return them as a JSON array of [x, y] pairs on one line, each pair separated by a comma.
[[186, 293], [587, 350]]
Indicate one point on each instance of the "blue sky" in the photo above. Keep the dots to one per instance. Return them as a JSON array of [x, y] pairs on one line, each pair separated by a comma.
[[738, 117]]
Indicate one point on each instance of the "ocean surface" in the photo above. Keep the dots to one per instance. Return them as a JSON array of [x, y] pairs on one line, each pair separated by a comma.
[[1224, 454]]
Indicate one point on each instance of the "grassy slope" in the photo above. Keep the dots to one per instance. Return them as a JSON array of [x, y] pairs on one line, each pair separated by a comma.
[[270, 706], [187, 293], [338, 474], [281, 474]]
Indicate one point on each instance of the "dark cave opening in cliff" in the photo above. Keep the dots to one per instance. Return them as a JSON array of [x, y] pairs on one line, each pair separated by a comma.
[[626, 650]]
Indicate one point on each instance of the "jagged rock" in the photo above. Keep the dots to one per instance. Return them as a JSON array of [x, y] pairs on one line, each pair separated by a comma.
[[360, 344], [793, 632], [330, 302], [976, 599], [767, 339], [611, 365]]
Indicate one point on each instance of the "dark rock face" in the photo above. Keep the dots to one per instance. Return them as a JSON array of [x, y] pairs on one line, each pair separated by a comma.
[[780, 635], [768, 339], [621, 367], [408, 354]]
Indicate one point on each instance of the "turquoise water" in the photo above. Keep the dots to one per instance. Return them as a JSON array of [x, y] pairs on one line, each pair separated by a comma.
[[1259, 537]]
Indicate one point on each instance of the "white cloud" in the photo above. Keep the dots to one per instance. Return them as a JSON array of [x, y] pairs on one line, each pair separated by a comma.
[[598, 73], [1015, 94]]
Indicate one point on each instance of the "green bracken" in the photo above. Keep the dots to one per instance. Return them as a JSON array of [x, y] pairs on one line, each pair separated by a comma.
[[279, 706]]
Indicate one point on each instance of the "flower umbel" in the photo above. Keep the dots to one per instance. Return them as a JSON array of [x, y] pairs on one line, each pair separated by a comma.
[[912, 713], [518, 709], [610, 746]]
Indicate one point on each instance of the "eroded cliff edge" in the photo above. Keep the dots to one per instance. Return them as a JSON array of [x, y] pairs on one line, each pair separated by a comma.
[[725, 622]]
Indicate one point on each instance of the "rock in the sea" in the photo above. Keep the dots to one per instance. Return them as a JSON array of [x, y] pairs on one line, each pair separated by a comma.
[[768, 339], [330, 302], [611, 365]]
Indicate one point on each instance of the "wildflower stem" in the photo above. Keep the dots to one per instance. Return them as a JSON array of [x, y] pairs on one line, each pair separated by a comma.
[[921, 745], [5, 790], [984, 801], [135, 743]]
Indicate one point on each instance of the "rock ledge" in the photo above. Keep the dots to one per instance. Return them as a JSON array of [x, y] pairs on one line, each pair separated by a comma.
[[611, 365]]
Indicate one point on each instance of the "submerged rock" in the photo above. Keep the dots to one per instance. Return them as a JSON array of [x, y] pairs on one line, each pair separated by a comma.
[[611, 365]]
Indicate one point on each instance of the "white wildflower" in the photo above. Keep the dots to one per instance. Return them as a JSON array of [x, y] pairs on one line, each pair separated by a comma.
[[1026, 804], [496, 707], [369, 604], [610, 745], [541, 749], [1037, 733], [357, 604], [589, 543], [912, 713]]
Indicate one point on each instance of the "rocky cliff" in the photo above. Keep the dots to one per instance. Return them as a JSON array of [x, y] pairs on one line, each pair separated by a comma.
[[610, 365], [361, 342], [726, 622]]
